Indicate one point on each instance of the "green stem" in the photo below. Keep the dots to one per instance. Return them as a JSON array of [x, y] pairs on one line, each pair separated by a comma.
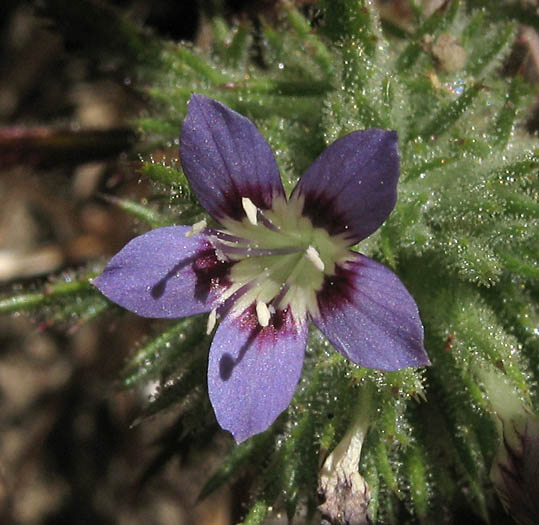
[[30, 301]]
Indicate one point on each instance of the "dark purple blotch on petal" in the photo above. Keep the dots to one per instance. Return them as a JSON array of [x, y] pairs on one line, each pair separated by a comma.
[[281, 324], [337, 289], [369, 316], [211, 273], [225, 158], [351, 187], [253, 370]]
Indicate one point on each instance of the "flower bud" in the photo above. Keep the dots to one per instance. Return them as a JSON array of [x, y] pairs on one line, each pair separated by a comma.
[[344, 493], [515, 471]]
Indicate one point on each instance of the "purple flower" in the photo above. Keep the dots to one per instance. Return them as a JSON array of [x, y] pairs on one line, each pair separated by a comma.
[[274, 263]]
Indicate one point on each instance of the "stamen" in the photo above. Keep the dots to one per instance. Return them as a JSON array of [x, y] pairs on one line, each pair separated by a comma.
[[314, 257], [196, 228], [224, 236], [218, 251], [250, 210], [221, 257], [229, 302], [267, 223], [227, 249], [232, 299], [275, 303], [263, 314], [212, 319]]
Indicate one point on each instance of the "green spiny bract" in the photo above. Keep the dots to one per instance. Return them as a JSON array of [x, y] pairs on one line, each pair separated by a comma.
[[463, 237]]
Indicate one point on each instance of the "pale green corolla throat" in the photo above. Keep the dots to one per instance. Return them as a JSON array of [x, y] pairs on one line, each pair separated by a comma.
[[280, 260]]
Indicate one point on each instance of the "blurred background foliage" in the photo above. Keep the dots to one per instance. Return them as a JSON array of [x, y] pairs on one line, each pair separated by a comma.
[[92, 103]]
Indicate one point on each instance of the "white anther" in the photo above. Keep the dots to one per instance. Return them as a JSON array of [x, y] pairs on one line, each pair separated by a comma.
[[250, 210], [196, 228], [212, 319], [314, 257], [263, 313], [221, 257]]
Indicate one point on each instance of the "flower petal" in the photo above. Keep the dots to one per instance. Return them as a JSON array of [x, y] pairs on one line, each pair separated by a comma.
[[163, 273], [225, 158], [352, 187], [253, 371], [369, 316]]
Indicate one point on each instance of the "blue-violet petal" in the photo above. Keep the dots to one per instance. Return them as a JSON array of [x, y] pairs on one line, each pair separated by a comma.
[[351, 188], [225, 158], [370, 317], [163, 273], [253, 371]]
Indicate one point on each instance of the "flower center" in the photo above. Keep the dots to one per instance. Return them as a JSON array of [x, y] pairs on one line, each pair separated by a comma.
[[280, 260]]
